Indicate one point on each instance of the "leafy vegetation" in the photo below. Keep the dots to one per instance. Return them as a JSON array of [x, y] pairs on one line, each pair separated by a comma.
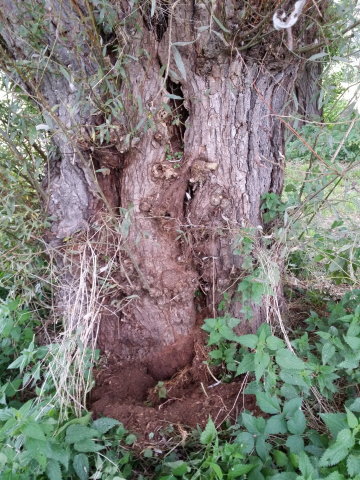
[[305, 377]]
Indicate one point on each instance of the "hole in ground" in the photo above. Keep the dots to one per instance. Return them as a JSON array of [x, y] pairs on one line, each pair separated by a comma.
[[147, 407]]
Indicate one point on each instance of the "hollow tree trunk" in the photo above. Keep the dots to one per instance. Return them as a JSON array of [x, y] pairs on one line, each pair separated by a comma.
[[194, 140]]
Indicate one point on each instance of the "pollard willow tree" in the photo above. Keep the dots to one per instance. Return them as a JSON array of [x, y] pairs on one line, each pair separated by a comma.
[[172, 113]]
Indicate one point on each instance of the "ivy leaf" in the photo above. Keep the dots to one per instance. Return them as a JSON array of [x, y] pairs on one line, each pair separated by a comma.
[[267, 403], [209, 434], [81, 466], [286, 358]]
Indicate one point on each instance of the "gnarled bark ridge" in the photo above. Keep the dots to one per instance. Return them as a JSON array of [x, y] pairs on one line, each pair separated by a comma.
[[189, 99]]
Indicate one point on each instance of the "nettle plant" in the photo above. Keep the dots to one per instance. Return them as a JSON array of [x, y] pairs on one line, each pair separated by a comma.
[[299, 386]]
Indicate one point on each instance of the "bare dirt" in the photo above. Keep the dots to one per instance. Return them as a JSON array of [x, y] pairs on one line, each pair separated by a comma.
[[154, 411]]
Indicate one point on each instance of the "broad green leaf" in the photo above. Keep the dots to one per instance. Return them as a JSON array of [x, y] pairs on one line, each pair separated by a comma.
[[246, 364], [327, 352], [262, 447], [295, 443], [293, 377], [209, 434], [297, 423], [3, 459], [253, 424], [267, 403], [351, 419], [333, 455], [104, 424], [345, 438], [249, 341], [353, 465], [60, 454], [335, 422], [130, 439], [238, 470], [81, 466], [275, 425], [261, 361], [53, 470], [228, 333], [353, 342], [246, 442], [337, 476], [216, 468], [286, 359], [292, 406], [284, 476], [288, 391], [178, 467], [75, 421], [355, 406], [280, 458], [87, 445], [305, 466], [274, 343], [34, 430], [77, 433]]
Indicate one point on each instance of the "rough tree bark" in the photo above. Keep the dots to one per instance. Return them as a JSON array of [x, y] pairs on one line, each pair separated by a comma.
[[196, 138]]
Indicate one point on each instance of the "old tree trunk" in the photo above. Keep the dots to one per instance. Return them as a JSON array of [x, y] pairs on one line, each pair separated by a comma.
[[167, 118]]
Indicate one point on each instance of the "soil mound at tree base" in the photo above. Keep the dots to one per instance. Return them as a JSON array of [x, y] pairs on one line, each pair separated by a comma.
[[150, 409]]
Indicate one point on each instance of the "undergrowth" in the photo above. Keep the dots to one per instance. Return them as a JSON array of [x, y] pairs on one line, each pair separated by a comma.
[[307, 393]]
